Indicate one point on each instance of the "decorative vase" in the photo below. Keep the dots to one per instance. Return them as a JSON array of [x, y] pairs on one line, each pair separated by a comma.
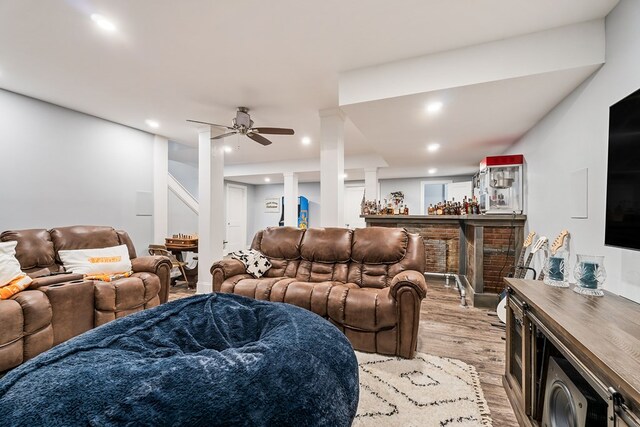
[[590, 275], [556, 269]]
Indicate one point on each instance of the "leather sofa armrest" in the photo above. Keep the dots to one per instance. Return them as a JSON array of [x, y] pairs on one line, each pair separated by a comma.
[[53, 280], [149, 264], [229, 267], [160, 266], [223, 269], [411, 278]]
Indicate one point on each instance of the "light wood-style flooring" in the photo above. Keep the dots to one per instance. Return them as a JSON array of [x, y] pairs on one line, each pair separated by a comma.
[[467, 334], [449, 330]]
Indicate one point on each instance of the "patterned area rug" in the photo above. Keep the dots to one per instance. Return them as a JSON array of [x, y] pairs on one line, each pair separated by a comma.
[[426, 391]]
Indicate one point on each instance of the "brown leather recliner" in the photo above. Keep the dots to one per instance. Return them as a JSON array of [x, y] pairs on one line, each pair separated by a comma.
[[58, 307], [368, 282]]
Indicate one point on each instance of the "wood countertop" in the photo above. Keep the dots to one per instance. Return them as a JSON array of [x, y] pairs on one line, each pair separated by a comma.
[[444, 218], [603, 332]]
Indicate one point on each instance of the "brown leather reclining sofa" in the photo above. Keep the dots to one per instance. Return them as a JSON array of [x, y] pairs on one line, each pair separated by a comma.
[[368, 282], [56, 308]]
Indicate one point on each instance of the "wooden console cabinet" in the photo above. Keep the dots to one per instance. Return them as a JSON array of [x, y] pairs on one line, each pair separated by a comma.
[[599, 337]]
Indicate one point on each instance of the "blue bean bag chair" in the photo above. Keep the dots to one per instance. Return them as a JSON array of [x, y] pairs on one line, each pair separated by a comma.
[[213, 359]]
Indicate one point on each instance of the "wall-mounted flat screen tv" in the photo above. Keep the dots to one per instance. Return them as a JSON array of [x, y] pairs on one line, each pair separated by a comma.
[[623, 174]]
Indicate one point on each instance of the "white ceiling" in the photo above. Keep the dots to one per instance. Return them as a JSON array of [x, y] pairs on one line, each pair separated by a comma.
[[201, 59]]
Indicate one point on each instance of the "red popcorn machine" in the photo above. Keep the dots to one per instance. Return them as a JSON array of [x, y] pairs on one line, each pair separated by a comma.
[[501, 184]]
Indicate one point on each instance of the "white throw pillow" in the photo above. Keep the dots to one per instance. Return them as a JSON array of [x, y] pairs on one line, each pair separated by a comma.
[[114, 260], [254, 262], [9, 265]]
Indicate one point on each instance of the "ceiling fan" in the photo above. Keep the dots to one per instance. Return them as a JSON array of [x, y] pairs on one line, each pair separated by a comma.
[[243, 125]]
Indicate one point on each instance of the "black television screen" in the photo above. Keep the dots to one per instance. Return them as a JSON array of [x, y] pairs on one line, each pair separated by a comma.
[[623, 174]]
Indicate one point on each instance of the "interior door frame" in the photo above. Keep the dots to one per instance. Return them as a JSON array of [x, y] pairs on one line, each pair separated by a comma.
[[355, 184], [424, 184], [245, 190]]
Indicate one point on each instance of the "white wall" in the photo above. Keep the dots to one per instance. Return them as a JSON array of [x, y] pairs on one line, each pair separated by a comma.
[[262, 219], [181, 219], [575, 136], [186, 175], [411, 187], [61, 167]]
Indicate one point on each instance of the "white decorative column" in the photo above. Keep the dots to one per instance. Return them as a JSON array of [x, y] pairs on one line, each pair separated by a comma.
[[160, 188], [211, 226], [371, 183], [291, 199], [332, 167]]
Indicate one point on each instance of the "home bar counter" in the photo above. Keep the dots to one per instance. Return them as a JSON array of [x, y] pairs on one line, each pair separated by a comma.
[[480, 249]]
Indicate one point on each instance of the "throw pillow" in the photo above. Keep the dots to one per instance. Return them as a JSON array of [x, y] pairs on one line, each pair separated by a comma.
[[254, 262], [113, 260], [12, 279]]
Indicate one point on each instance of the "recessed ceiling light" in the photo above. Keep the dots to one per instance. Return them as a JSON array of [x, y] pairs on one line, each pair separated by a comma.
[[152, 123], [432, 171], [434, 107], [433, 147], [103, 22], [306, 140], [267, 179], [227, 149], [344, 176]]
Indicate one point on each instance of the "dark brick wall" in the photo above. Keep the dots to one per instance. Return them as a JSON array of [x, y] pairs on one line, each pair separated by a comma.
[[499, 257], [442, 243]]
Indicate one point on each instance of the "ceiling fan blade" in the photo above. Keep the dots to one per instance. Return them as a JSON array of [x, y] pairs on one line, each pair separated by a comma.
[[273, 131], [259, 138], [212, 124], [224, 135]]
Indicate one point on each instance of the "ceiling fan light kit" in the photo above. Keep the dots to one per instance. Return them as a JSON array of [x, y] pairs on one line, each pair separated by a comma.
[[243, 125]]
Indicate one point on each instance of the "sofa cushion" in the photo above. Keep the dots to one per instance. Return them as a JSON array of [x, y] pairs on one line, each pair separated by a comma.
[[309, 271], [379, 245], [313, 296], [370, 275], [279, 242], [83, 237], [35, 248], [125, 296], [12, 321], [330, 245], [248, 286], [124, 238], [282, 268]]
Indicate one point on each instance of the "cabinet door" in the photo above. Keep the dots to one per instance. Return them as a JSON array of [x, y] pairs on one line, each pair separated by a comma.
[[519, 362], [515, 346]]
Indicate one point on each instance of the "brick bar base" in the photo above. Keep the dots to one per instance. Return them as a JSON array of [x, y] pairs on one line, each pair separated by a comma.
[[481, 248]]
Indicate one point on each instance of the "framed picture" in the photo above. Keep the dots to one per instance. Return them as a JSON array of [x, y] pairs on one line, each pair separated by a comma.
[[272, 205]]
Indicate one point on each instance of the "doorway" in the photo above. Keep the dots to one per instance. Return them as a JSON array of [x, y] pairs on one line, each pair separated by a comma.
[[352, 200], [432, 192], [236, 216]]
